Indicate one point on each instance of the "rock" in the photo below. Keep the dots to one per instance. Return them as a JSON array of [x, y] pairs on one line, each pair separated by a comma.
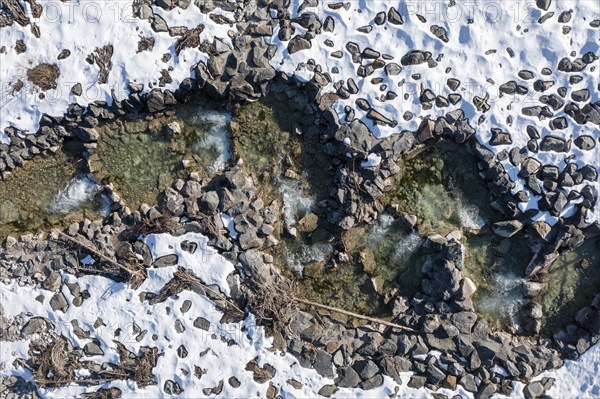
[[298, 43], [507, 228], [468, 287], [394, 17], [464, 321], [580, 95], [173, 128], [529, 167], [500, 138], [209, 202], [172, 388], [366, 368], [439, 32], [167, 260], [324, 364], [543, 4], [434, 375], [77, 89], [158, 24], [559, 123], [414, 57], [249, 240], [555, 144], [347, 378], [531, 111], [86, 134], [392, 69], [532, 289], [329, 25], [540, 230], [53, 282], [372, 382], [327, 390], [92, 349], [380, 18], [202, 323], [378, 118], [585, 142], [525, 74], [155, 101], [469, 383], [367, 261], [533, 390], [59, 302], [416, 381]]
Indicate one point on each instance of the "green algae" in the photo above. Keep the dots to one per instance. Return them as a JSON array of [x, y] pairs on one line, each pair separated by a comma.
[[497, 266], [437, 186], [140, 159], [573, 281], [27, 195]]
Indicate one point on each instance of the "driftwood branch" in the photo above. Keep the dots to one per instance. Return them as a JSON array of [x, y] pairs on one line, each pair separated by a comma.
[[352, 314], [136, 273]]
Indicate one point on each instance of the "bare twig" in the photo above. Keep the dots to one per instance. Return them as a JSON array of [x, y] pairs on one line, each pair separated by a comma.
[[135, 271], [355, 315]]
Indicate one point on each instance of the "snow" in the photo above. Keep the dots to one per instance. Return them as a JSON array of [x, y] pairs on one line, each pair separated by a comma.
[[373, 160], [206, 263], [81, 26], [84, 25], [494, 28], [119, 306]]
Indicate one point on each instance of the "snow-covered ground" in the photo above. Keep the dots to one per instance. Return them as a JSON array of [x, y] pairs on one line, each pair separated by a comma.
[[496, 27], [120, 306], [488, 43], [82, 26]]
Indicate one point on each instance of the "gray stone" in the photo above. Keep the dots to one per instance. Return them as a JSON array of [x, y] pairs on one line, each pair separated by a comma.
[[439, 32], [327, 390], [202, 323], [59, 302], [324, 364], [155, 101], [559, 123], [555, 144], [372, 382], [526, 75], [414, 57], [298, 43], [366, 369], [469, 383], [585, 142], [394, 17], [209, 202], [92, 349], [434, 375], [158, 24], [380, 18], [167, 260], [86, 134], [329, 25], [347, 378], [416, 381], [507, 228], [249, 240], [533, 390], [53, 282]]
